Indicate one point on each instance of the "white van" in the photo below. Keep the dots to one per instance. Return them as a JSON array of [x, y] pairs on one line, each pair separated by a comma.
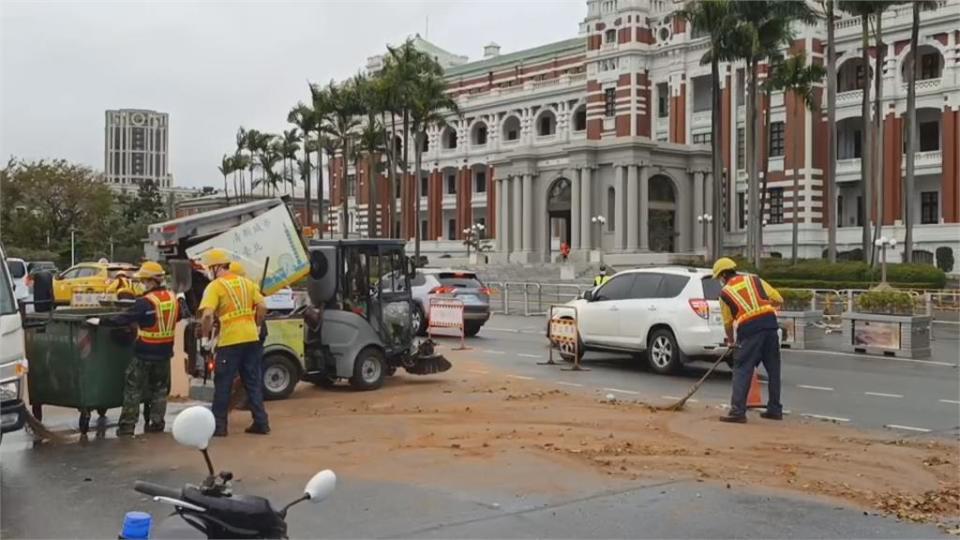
[[13, 363], [18, 276]]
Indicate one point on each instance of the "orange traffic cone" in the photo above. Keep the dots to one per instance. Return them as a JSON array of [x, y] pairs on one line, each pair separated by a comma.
[[754, 399]]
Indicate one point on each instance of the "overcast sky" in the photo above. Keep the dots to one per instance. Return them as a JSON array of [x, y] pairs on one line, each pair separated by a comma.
[[214, 66]]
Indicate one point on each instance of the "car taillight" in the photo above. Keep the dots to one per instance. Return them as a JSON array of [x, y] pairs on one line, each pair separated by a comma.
[[700, 307], [443, 290]]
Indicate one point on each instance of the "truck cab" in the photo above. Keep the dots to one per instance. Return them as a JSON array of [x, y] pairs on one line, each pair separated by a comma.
[[13, 362]]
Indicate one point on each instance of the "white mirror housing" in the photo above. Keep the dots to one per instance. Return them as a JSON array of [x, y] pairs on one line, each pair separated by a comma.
[[320, 486], [194, 427]]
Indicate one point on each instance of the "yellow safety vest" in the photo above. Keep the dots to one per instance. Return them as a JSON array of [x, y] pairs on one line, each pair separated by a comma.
[[746, 298], [600, 280], [240, 306], [167, 312]]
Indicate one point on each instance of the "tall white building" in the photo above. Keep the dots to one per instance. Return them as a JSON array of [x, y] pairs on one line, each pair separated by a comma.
[[136, 147]]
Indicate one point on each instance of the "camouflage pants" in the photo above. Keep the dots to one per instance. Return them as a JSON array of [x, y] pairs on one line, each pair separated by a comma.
[[148, 382]]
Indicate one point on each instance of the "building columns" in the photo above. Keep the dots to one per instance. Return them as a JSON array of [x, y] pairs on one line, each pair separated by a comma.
[[575, 210], [698, 239], [632, 201], [516, 224], [620, 223], [528, 212], [644, 208], [501, 229], [586, 208]]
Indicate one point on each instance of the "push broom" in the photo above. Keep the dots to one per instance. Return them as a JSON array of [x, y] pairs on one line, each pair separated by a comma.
[[678, 405]]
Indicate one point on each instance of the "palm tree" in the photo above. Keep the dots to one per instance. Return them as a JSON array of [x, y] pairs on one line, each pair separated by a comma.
[[795, 76], [764, 27], [268, 158], [716, 18], [289, 145], [831, 133], [327, 145], [322, 108], [428, 106], [343, 122], [881, 48], [911, 133], [306, 120], [241, 162], [404, 66], [240, 159], [225, 168]]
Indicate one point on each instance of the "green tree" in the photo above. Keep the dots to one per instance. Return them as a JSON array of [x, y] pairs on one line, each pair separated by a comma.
[[306, 120], [226, 168], [345, 108], [322, 108], [795, 76], [717, 19], [289, 145]]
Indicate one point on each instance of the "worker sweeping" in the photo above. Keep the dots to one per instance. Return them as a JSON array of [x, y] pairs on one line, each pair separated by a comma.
[[602, 277], [155, 314], [240, 308], [748, 305]]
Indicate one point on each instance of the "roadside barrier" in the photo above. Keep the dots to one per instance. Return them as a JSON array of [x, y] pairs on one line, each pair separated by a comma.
[[446, 314], [563, 334], [90, 299], [531, 298]]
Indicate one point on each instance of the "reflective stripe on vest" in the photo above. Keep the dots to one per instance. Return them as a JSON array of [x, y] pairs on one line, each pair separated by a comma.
[[166, 310], [745, 297], [241, 298], [600, 280]]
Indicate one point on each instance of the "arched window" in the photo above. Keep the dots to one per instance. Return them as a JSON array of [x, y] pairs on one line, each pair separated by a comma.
[[478, 134], [449, 137], [546, 123], [511, 129], [580, 118]]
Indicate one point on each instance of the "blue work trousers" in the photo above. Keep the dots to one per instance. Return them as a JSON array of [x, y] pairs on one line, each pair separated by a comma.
[[762, 347], [245, 359]]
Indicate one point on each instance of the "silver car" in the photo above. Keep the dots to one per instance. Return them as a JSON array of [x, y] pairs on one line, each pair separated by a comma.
[[460, 284]]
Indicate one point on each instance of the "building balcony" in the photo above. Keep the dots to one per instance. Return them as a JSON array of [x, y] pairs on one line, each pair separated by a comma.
[[775, 164], [925, 86], [701, 119], [848, 170], [528, 87], [850, 97], [930, 162]]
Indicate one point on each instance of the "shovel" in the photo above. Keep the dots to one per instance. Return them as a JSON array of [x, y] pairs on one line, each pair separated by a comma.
[[693, 390]]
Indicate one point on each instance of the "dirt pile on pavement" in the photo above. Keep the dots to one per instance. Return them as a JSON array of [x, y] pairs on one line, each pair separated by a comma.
[[465, 428]]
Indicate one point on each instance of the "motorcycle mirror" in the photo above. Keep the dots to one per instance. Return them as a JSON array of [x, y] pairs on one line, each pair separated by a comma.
[[320, 486], [194, 427]]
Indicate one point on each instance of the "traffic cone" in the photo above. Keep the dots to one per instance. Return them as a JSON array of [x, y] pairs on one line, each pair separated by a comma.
[[754, 399]]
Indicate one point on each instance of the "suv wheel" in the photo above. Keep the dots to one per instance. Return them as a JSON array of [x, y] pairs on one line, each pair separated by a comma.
[[663, 354], [419, 320]]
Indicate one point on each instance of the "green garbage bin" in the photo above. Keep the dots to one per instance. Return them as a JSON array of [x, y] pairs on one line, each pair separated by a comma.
[[76, 364]]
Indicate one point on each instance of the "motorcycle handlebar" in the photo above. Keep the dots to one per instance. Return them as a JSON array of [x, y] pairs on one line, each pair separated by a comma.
[[156, 490]]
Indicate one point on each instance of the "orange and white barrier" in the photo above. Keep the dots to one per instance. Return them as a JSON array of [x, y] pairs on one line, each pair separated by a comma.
[[563, 332], [91, 299], [446, 314]]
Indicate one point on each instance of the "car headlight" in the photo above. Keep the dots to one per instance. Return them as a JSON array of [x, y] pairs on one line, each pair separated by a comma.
[[10, 391]]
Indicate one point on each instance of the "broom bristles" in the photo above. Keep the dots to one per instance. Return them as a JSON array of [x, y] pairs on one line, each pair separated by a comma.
[[40, 431]]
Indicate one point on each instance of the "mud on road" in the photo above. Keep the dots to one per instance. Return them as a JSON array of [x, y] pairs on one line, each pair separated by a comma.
[[463, 428]]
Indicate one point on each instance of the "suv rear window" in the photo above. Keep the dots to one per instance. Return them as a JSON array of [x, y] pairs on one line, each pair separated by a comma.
[[17, 269], [459, 280], [711, 288], [672, 286]]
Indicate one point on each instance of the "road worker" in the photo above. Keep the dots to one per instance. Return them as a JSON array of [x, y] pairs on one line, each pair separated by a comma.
[[239, 307], [124, 287], [155, 314], [748, 305], [602, 277]]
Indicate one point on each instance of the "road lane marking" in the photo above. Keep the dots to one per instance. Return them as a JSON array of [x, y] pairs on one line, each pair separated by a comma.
[[951, 401], [478, 371], [521, 377], [907, 428], [881, 394], [677, 398], [871, 356], [525, 355], [631, 392], [511, 330], [565, 383], [808, 387], [825, 417], [488, 351]]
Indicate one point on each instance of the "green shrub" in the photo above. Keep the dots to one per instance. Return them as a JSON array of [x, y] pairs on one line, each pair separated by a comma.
[[781, 283], [885, 303], [32, 254], [796, 299], [818, 269], [945, 259], [913, 273]]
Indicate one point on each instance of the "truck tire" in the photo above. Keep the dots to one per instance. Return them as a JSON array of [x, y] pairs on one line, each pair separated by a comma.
[[369, 369], [280, 376]]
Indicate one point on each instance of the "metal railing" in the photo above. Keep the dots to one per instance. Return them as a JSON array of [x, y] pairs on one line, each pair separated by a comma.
[[530, 298]]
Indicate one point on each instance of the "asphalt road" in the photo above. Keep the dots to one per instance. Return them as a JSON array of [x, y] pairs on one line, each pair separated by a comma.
[[912, 397], [89, 485]]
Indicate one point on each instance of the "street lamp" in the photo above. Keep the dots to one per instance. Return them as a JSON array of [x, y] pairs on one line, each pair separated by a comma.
[[706, 220], [473, 234], [883, 243]]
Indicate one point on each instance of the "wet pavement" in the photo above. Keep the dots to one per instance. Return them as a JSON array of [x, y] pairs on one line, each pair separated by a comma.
[[82, 490]]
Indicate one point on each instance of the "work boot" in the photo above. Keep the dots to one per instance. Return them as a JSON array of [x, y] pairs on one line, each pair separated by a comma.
[[258, 429], [771, 416], [733, 419], [155, 428], [128, 434]]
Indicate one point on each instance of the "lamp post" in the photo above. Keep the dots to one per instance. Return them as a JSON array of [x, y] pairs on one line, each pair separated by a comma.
[[599, 221], [706, 220], [73, 246], [473, 234], [883, 243]]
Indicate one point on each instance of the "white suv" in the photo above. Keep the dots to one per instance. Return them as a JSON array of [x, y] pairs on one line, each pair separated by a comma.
[[671, 313]]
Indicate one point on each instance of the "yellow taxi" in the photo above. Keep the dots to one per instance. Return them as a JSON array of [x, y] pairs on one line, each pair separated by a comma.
[[94, 277]]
